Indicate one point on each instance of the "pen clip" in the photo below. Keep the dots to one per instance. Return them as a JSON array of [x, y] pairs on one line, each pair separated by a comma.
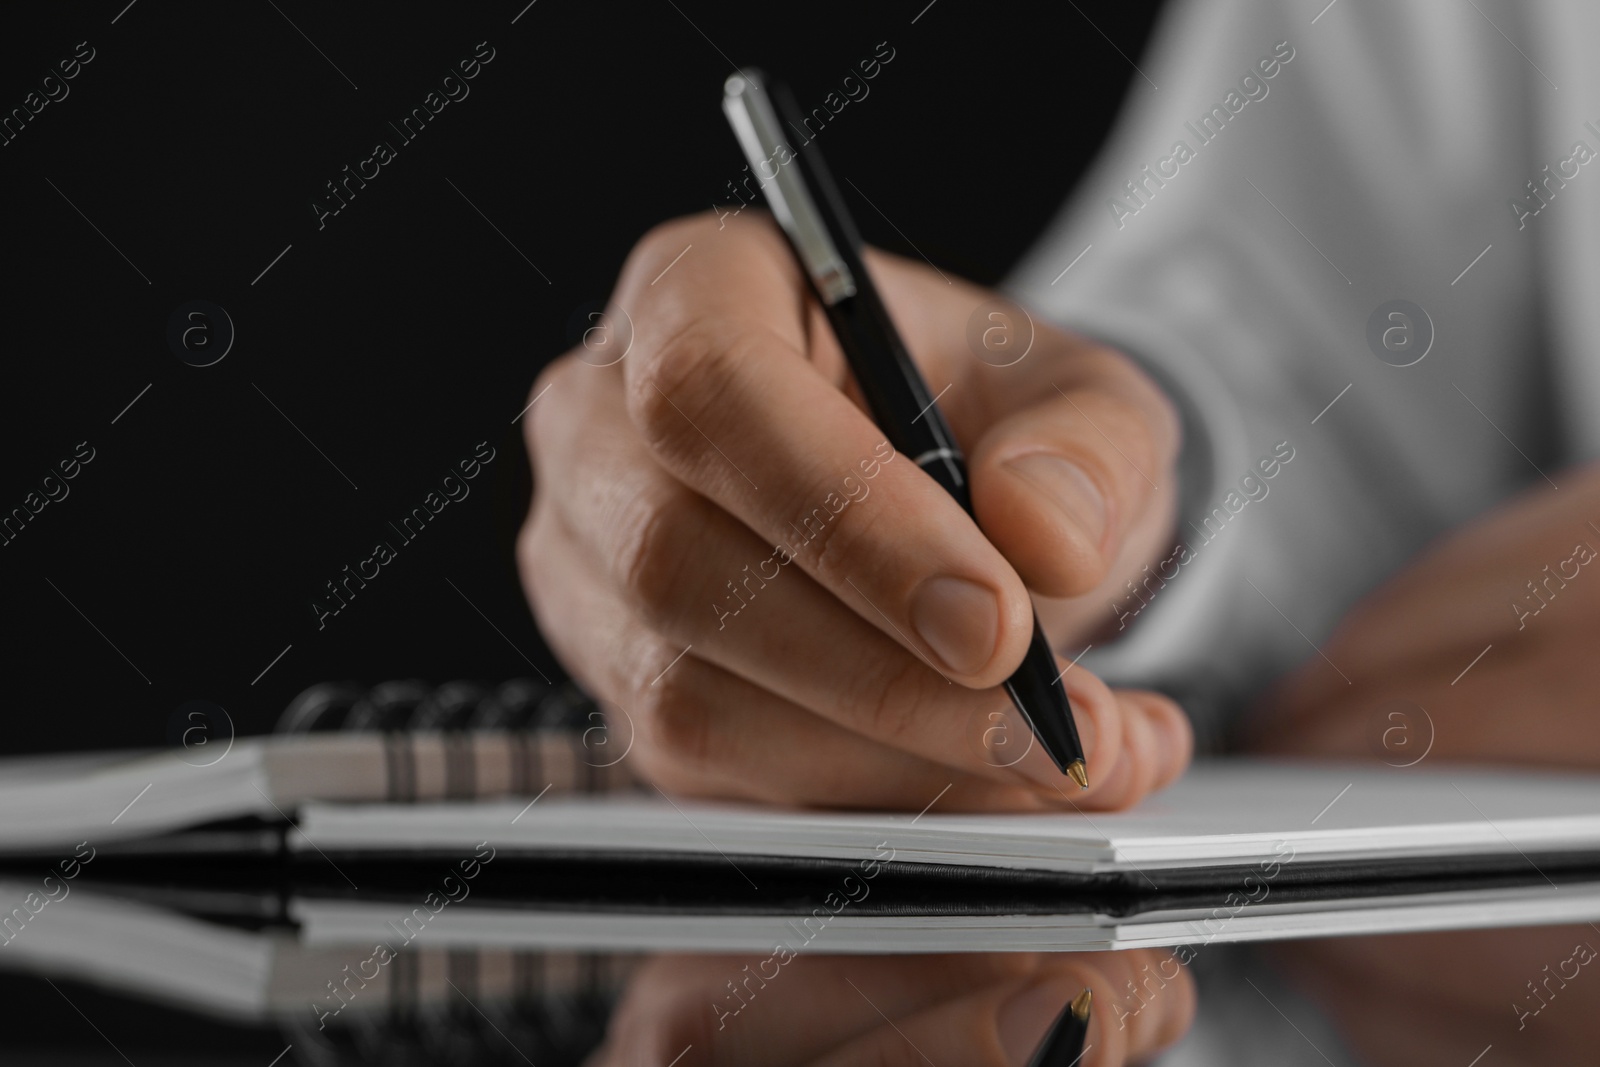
[[755, 123]]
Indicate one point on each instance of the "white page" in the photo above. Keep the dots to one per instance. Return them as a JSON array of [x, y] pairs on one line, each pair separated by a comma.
[[1233, 812], [101, 798]]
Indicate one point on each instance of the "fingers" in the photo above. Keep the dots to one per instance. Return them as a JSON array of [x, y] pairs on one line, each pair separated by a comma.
[[1061, 485], [695, 728], [1513, 579], [1490, 580], [632, 569], [1158, 742], [784, 1010], [718, 529], [778, 712], [1071, 448], [701, 731], [1511, 706], [726, 399]]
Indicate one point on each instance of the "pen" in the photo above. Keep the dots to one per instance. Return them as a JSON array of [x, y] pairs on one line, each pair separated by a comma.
[[807, 206], [1063, 1044]]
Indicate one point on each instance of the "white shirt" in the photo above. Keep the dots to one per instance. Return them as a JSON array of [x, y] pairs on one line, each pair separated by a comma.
[[1384, 159], [1378, 165]]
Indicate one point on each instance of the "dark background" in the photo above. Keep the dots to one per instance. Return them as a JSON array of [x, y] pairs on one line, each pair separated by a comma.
[[407, 330]]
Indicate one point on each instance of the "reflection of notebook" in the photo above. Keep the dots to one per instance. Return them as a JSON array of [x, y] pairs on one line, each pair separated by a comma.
[[975, 924], [328, 1002]]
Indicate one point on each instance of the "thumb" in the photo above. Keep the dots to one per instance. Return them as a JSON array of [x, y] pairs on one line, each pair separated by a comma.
[[1071, 448], [1076, 478]]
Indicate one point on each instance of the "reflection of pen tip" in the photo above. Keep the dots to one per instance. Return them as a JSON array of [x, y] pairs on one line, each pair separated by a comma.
[[1077, 772], [1080, 1005]]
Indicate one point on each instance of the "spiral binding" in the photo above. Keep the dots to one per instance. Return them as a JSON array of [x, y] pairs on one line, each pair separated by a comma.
[[409, 705], [558, 737], [560, 1001]]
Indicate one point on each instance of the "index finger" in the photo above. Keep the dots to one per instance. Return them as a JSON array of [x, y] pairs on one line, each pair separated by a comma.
[[732, 386]]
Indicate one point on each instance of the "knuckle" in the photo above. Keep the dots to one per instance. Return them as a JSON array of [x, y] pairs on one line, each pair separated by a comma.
[[656, 247], [890, 699], [568, 628], [665, 240], [831, 545], [1165, 425], [827, 550], [539, 423], [675, 727], [675, 384], [650, 550], [1153, 415], [530, 551], [1122, 451]]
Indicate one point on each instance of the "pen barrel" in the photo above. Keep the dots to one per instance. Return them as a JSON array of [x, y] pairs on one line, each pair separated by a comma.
[[807, 205], [896, 396], [1037, 687]]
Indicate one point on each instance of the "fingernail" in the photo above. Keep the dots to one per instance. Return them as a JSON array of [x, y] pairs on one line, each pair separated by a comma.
[[1026, 1017], [959, 620], [1066, 486]]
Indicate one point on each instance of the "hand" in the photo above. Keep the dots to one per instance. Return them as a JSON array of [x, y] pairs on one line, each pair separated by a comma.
[[1532, 993], [967, 1010], [1516, 587], [1419, 689], [720, 495]]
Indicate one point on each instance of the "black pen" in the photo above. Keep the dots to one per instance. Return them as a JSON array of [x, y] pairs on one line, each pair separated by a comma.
[[1063, 1043], [807, 206]]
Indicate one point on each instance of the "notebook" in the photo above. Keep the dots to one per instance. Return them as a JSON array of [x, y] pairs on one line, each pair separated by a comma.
[[400, 741], [587, 857], [1235, 851]]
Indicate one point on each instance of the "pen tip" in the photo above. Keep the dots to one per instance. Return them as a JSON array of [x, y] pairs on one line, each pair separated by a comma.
[[1080, 1005], [1077, 772]]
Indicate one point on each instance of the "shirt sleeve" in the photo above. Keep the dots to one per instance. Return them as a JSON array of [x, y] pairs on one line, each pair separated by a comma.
[[1278, 181]]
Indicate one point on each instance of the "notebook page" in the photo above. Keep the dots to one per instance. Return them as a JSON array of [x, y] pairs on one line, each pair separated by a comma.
[[1227, 812]]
